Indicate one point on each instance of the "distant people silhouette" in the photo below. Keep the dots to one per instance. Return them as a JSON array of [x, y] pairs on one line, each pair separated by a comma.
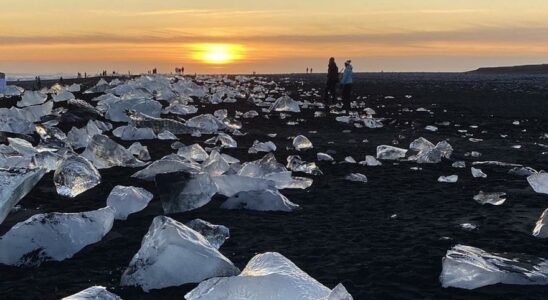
[[306, 70], [332, 80], [347, 84]]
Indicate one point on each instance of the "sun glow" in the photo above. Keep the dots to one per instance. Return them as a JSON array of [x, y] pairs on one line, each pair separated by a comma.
[[217, 54]]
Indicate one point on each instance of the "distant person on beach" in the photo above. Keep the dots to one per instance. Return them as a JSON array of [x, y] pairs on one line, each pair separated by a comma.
[[306, 70], [332, 80], [346, 84]]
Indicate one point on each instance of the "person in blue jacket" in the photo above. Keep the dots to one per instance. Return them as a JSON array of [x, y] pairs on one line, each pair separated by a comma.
[[346, 84]]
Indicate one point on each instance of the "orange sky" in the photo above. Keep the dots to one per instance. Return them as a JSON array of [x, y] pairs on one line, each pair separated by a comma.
[[41, 36]]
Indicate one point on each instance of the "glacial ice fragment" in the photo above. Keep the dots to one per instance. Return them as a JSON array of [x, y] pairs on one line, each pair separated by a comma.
[[541, 230], [262, 147], [53, 236], [285, 104], [75, 175], [14, 186], [93, 293], [356, 177], [478, 173], [117, 110], [267, 276], [104, 153], [184, 191], [125, 200], [490, 198], [172, 254], [193, 152], [448, 179], [301, 142], [539, 182], [132, 133], [469, 268], [230, 185], [215, 234], [386, 152], [265, 200], [32, 98]]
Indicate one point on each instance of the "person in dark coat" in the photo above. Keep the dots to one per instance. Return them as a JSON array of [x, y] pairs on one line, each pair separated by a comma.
[[346, 84], [332, 81]]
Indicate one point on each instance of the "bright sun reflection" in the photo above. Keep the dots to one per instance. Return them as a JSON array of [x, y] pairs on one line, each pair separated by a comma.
[[217, 54]]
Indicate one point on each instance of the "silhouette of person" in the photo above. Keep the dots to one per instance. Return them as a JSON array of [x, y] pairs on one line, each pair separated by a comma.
[[332, 80], [347, 84]]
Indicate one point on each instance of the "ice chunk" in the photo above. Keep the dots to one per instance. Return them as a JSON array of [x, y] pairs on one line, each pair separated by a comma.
[[339, 293], [205, 123], [459, 164], [226, 140], [63, 95], [104, 153], [357, 177], [265, 200], [165, 166], [286, 104], [80, 138], [294, 163], [14, 185], [215, 164], [215, 234], [539, 182], [172, 254], [267, 276], [434, 155], [522, 171], [184, 191], [180, 109], [469, 268], [117, 111], [140, 151], [125, 200], [193, 152], [32, 98], [75, 175], [490, 198], [262, 147], [132, 133], [421, 144], [386, 152], [320, 156], [448, 179], [230, 185], [53, 236], [541, 230], [478, 173], [166, 135], [301, 142], [93, 293], [158, 125], [371, 161]]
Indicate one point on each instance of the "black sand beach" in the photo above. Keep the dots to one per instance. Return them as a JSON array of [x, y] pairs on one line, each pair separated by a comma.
[[383, 239]]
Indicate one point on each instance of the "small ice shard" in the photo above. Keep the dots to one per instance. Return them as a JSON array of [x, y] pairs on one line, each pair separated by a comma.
[[490, 198], [230, 185], [164, 166], [431, 128], [14, 186], [166, 135], [193, 152], [132, 133], [265, 200], [53, 236], [294, 163], [226, 141], [80, 137], [267, 276], [215, 234], [434, 155], [262, 147], [320, 156], [371, 161], [125, 200], [32, 98], [140, 151], [157, 125], [285, 104], [62, 96], [539, 182], [184, 191], [469, 268], [232, 123], [448, 179], [338, 293], [541, 230], [386, 152], [522, 171], [93, 293], [459, 164], [301, 142], [468, 226], [172, 254], [104, 153], [350, 160], [75, 175], [356, 177], [478, 173], [421, 144], [250, 114], [180, 109]]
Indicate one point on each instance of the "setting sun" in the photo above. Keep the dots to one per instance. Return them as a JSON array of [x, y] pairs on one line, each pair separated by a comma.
[[217, 54]]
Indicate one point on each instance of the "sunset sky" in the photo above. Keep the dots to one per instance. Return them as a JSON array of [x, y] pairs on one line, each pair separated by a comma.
[[221, 36]]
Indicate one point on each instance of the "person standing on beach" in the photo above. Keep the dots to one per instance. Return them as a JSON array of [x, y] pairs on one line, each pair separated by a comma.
[[332, 80], [346, 84]]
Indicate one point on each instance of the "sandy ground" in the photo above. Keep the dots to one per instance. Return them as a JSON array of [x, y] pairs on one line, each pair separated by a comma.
[[346, 231]]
